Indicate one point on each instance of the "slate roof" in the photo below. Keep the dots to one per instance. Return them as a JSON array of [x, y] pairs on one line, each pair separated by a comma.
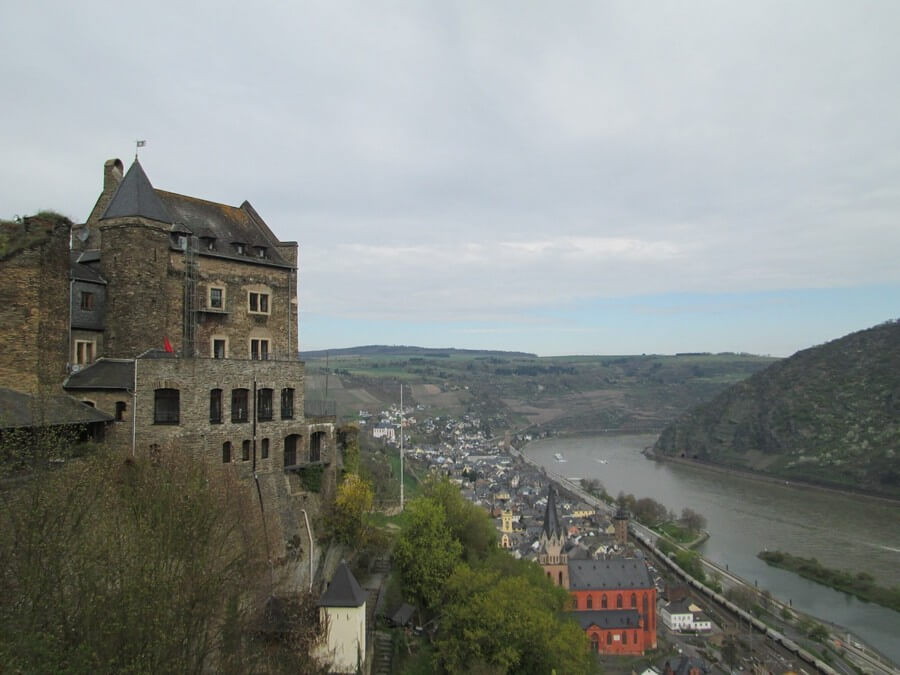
[[552, 526], [343, 591], [19, 410], [135, 196], [103, 374], [613, 574], [224, 225], [82, 272], [607, 618]]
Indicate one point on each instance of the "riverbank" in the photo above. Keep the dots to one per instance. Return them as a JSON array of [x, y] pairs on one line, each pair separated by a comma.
[[861, 585], [763, 477]]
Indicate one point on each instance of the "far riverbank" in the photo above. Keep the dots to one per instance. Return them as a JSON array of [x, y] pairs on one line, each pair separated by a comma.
[[763, 477]]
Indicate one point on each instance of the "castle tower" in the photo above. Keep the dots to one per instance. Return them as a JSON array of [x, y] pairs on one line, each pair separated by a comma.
[[620, 522], [135, 248], [551, 555]]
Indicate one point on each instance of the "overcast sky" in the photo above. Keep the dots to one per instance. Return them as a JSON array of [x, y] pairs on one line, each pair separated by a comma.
[[555, 177]]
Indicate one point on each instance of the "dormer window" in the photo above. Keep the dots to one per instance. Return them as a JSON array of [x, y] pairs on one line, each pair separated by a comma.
[[208, 243], [240, 248], [260, 251], [179, 241]]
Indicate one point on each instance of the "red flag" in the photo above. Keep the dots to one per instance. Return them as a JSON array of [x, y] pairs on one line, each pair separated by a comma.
[[168, 345]]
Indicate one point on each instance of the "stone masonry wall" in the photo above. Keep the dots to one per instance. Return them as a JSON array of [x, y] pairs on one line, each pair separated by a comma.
[[134, 261], [34, 308], [279, 492]]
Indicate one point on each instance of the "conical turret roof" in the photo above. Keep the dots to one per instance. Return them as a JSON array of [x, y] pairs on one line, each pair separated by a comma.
[[343, 591], [135, 197]]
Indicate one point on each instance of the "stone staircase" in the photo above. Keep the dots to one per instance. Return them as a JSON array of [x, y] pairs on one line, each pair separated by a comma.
[[383, 660]]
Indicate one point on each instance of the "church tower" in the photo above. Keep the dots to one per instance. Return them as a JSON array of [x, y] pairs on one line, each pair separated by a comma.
[[551, 554], [620, 520]]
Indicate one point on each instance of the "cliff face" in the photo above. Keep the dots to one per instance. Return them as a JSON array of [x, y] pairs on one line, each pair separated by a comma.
[[827, 415]]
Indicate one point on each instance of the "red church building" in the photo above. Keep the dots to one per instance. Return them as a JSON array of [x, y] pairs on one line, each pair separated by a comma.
[[614, 601]]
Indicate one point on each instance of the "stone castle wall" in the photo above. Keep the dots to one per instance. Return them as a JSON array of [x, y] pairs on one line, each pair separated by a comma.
[[34, 306]]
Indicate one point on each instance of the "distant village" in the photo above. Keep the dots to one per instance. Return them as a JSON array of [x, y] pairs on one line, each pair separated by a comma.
[[521, 501]]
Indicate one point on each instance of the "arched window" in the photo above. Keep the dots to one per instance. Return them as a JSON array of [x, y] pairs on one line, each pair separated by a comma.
[[290, 449], [316, 443], [166, 406], [590, 602], [560, 578], [609, 638], [619, 601], [121, 407], [624, 637], [595, 642], [603, 601], [634, 600], [226, 452], [645, 607], [634, 636]]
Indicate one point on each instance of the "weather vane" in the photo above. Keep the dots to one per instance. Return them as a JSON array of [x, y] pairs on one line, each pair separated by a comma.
[[138, 144]]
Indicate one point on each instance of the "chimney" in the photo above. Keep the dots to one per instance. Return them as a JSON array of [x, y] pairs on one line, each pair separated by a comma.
[[113, 170]]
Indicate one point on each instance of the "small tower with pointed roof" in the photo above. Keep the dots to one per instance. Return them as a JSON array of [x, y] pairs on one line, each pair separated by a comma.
[[620, 521], [342, 608], [551, 555]]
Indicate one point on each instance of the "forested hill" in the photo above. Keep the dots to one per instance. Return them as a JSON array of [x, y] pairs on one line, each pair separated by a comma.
[[827, 415], [395, 350]]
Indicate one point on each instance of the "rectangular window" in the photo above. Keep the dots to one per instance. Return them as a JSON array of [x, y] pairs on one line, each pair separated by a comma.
[[259, 303], [287, 404], [87, 301], [264, 405], [265, 448], [220, 348], [215, 406], [216, 298], [121, 407], [239, 405], [166, 406], [245, 451], [84, 352], [259, 349]]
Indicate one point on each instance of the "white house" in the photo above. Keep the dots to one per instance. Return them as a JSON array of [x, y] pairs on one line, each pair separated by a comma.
[[342, 608], [681, 616], [385, 431]]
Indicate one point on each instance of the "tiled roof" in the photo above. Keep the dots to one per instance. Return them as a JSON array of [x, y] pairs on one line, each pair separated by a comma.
[[607, 618], [608, 574]]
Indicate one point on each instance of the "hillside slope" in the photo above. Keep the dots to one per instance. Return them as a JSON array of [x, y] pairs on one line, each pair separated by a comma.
[[827, 415]]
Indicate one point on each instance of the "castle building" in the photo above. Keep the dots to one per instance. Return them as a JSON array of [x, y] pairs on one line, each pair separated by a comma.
[[614, 601], [175, 319]]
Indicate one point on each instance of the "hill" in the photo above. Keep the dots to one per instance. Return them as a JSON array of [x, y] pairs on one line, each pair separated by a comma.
[[404, 350], [828, 415], [511, 391]]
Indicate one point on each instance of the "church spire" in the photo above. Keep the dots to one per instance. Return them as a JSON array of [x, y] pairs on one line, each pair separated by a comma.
[[552, 528]]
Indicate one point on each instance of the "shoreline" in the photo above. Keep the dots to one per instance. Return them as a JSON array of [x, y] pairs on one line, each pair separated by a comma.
[[767, 478]]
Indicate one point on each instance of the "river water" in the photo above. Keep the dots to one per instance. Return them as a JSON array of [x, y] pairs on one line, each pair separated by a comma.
[[745, 516]]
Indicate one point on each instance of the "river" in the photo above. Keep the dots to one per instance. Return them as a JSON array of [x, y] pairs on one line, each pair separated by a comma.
[[745, 516]]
